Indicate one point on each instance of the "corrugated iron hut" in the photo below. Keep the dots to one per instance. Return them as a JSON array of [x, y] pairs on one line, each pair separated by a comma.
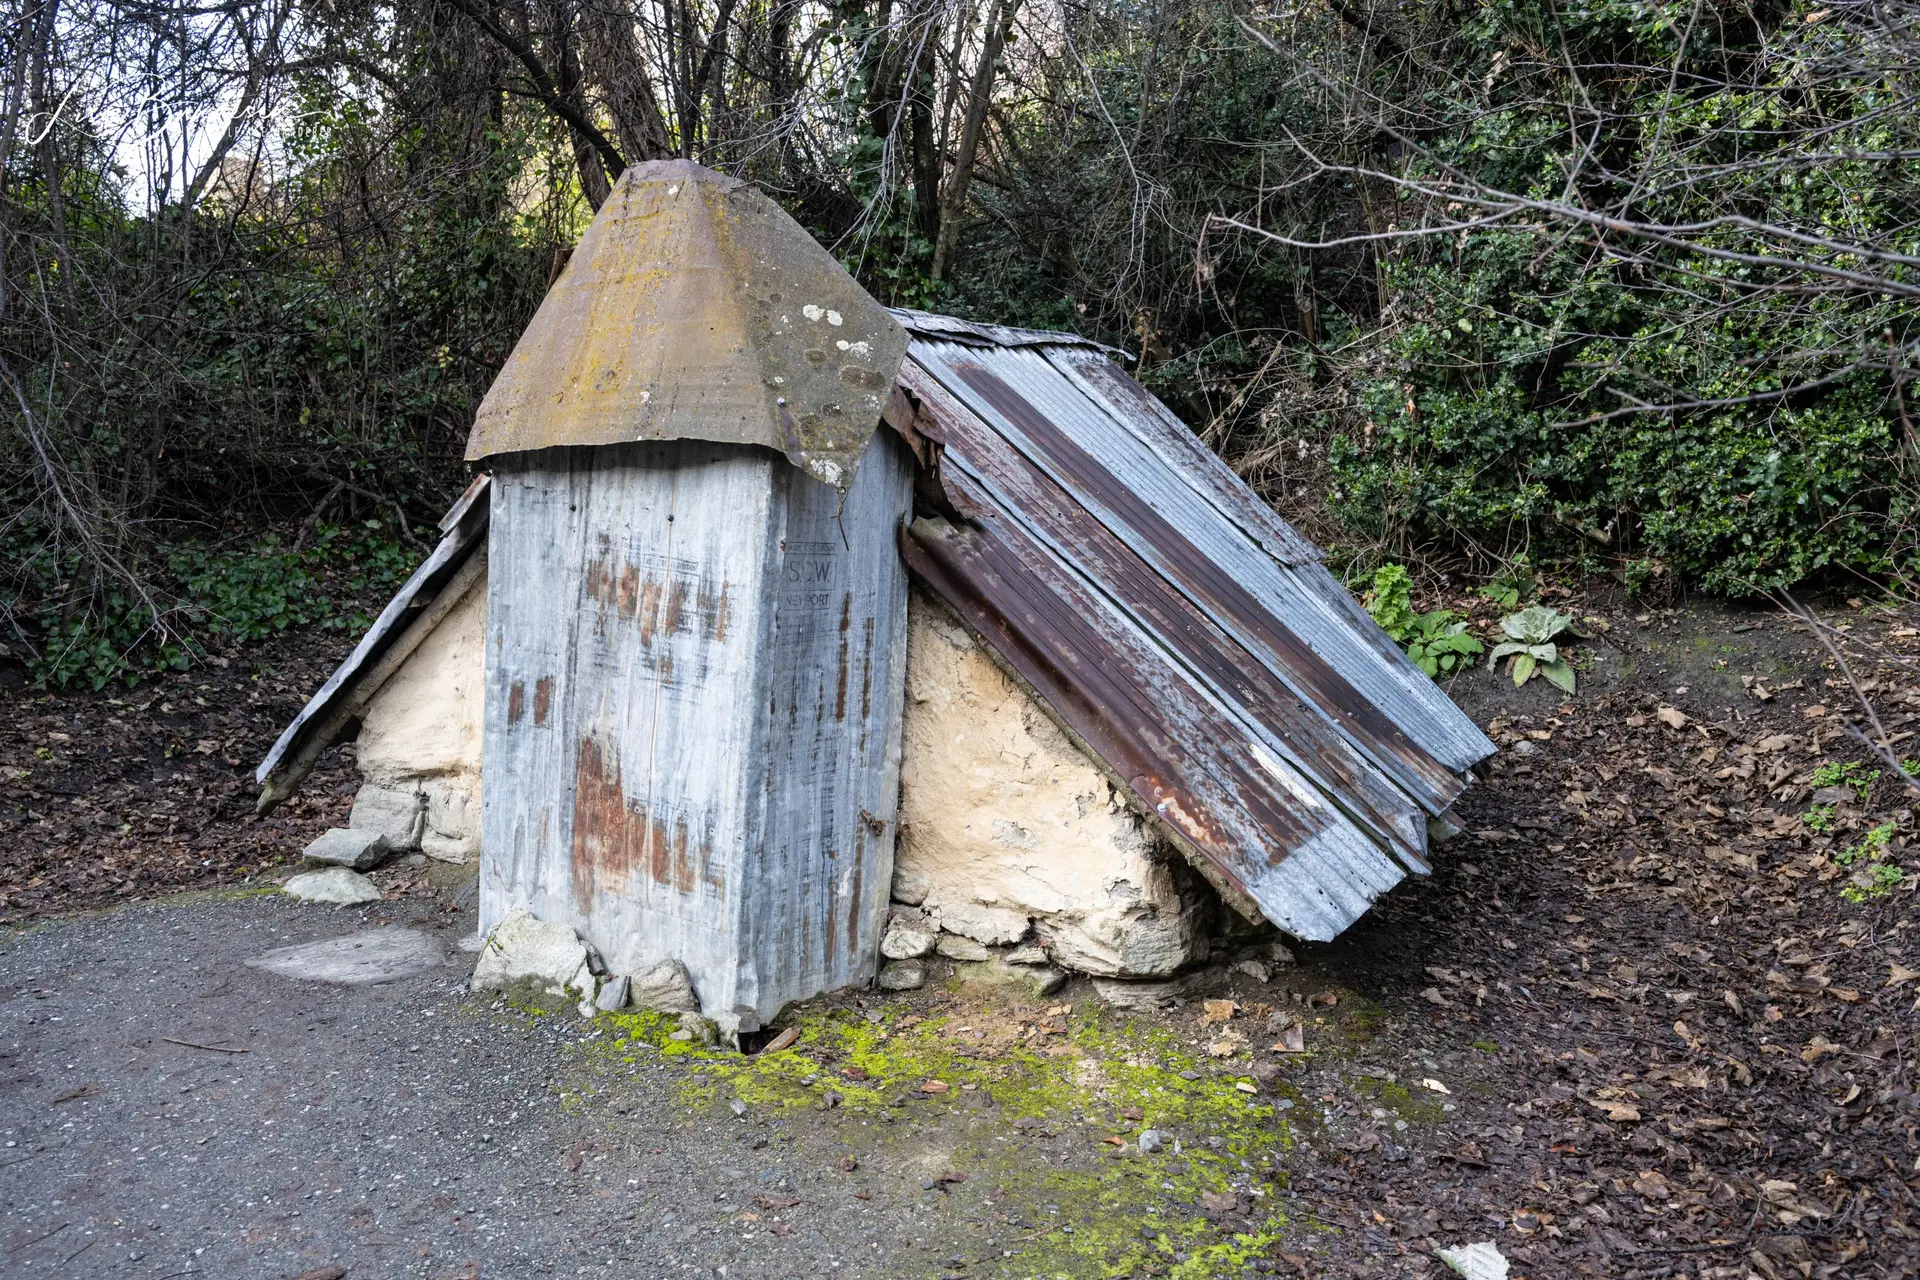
[[1120, 667]]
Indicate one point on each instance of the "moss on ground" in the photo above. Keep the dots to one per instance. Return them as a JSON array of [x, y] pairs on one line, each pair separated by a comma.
[[1095, 1204]]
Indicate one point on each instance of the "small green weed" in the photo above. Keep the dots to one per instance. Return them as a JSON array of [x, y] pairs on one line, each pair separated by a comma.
[[1875, 875], [1512, 586], [1437, 641], [1836, 773], [1819, 819]]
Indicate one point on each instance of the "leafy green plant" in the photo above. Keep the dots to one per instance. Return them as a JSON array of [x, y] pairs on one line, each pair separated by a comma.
[[1511, 586], [1857, 777], [1879, 875], [1437, 641], [1819, 819], [1532, 647]]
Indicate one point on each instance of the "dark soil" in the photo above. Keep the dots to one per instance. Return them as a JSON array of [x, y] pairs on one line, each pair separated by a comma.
[[131, 793], [1682, 1050], [1671, 1043]]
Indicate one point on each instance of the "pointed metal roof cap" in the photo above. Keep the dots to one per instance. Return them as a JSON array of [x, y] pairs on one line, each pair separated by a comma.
[[694, 308]]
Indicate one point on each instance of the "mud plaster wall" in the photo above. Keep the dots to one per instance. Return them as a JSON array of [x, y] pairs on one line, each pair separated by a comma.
[[421, 735], [1006, 827]]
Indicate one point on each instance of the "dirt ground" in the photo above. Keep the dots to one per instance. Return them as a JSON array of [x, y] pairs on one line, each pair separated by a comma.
[[1652, 1016]]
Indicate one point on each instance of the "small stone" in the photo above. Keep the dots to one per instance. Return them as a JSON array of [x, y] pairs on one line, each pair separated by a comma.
[[665, 986], [700, 1029], [1281, 955], [738, 1107], [902, 975], [908, 937], [955, 947], [1122, 994], [1032, 953], [336, 885], [613, 994], [1254, 969], [1151, 1141], [344, 847]]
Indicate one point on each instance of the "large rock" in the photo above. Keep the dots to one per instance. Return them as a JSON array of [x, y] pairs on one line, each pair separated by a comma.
[[336, 885], [398, 813], [664, 986], [522, 948], [1031, 981], [1005, 824], [345, 847], [358, 959]]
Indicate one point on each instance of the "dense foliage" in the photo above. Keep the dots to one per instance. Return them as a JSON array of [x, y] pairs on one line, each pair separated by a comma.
[[1621, 283]]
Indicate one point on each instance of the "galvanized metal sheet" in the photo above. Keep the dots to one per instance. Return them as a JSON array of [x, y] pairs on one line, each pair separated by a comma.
[[1268, 714], [1126, 487], [694, 672], [694, 308], [1135, 409], [1176, 626]]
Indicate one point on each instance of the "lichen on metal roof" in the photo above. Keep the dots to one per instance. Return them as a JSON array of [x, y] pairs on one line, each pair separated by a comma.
[[694, 308]]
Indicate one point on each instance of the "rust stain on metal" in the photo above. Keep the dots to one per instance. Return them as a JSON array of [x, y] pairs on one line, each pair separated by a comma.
[[840, 688], [542, 699], [853, 898], [1197, 571], [516, 702], [866, 675], [695, 308], [614, 836], [666, 605]]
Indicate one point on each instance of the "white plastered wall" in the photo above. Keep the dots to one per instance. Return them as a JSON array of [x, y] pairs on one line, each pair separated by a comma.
[[1005, 826], [419, 744]]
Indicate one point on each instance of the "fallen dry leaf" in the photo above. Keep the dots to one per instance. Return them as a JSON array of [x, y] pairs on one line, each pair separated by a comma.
[[1673, 717], [1218, 1011], [934, 1086], [1292, 1040], [1899, 973], [1620, 1112]]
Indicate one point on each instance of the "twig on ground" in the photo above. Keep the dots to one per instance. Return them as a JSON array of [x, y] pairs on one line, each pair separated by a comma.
[[211, 1048]]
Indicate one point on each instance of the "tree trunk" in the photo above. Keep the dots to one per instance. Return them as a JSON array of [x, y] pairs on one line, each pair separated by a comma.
[[979, 98]]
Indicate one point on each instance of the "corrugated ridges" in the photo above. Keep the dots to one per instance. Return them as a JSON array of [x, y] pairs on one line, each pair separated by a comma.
[[1184, 632]]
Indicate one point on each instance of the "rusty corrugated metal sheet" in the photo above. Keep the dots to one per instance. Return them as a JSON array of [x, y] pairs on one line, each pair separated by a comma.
[[694, 308], [1174, 624]]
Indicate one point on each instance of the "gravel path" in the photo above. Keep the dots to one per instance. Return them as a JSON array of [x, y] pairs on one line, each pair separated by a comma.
[[389, 1130]]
